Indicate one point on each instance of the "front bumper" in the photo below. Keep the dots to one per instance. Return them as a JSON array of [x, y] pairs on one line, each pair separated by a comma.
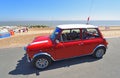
[[28, 59]]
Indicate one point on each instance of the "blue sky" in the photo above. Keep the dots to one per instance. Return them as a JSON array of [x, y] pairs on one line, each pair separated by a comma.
[[18, 10]]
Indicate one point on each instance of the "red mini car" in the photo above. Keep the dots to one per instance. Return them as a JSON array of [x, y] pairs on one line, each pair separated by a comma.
[[67, 41]]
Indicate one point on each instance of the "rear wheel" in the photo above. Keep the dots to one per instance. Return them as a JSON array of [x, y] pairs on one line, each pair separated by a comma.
[[42, 62], [99, 52]]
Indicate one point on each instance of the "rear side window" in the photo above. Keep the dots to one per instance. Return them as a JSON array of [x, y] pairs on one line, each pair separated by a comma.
[[90, 33]]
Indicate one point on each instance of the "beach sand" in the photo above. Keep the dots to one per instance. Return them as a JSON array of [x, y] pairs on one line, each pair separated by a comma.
[[22, 39]]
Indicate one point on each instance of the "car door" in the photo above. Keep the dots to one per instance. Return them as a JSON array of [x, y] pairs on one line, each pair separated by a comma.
[[67, 48], [90, 39]]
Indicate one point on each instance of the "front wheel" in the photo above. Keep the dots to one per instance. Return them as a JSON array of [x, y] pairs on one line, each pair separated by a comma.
[[99, 52], [42, 62]]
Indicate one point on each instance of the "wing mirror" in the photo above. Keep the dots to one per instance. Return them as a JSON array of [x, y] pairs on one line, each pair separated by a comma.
[[57, 41]]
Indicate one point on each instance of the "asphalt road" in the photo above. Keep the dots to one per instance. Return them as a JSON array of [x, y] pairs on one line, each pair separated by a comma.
[[13, 64]]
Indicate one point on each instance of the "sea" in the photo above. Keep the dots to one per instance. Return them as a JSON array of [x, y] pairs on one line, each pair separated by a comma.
[[55, 23]]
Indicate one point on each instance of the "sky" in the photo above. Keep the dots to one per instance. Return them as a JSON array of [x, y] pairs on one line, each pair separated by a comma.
[[32, 10]]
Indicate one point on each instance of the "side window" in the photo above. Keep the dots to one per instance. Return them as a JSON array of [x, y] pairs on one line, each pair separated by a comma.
[[70, 35], [90, 33]]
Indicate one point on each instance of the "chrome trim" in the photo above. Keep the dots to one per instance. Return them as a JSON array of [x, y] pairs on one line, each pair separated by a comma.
[[43, 53], [101, 45], [25, 48], [28, 59]]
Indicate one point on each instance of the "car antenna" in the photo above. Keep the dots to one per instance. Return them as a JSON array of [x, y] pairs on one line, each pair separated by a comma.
[[88, 20], [90, 10]]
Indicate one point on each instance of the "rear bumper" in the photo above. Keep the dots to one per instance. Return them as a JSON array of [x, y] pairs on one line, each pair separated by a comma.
[[106, 47]]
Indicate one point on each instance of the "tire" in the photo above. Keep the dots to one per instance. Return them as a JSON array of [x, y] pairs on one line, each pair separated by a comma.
[[42, 62], [99, 52]]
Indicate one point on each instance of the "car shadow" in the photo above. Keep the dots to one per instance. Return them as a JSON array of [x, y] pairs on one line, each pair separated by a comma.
[[25, 68]]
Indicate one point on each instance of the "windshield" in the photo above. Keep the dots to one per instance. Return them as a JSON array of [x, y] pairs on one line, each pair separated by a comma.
[[55, 33]]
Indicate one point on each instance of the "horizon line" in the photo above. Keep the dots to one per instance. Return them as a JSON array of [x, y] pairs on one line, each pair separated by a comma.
[[55, 20]]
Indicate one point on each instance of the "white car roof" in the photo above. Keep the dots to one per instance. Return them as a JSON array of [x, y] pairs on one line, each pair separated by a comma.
[[71, 26]]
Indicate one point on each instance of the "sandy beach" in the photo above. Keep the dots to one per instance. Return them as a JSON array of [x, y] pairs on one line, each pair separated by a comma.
[[22, 39]]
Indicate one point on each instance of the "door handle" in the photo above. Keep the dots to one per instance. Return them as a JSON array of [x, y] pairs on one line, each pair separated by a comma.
[[81, 44]]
